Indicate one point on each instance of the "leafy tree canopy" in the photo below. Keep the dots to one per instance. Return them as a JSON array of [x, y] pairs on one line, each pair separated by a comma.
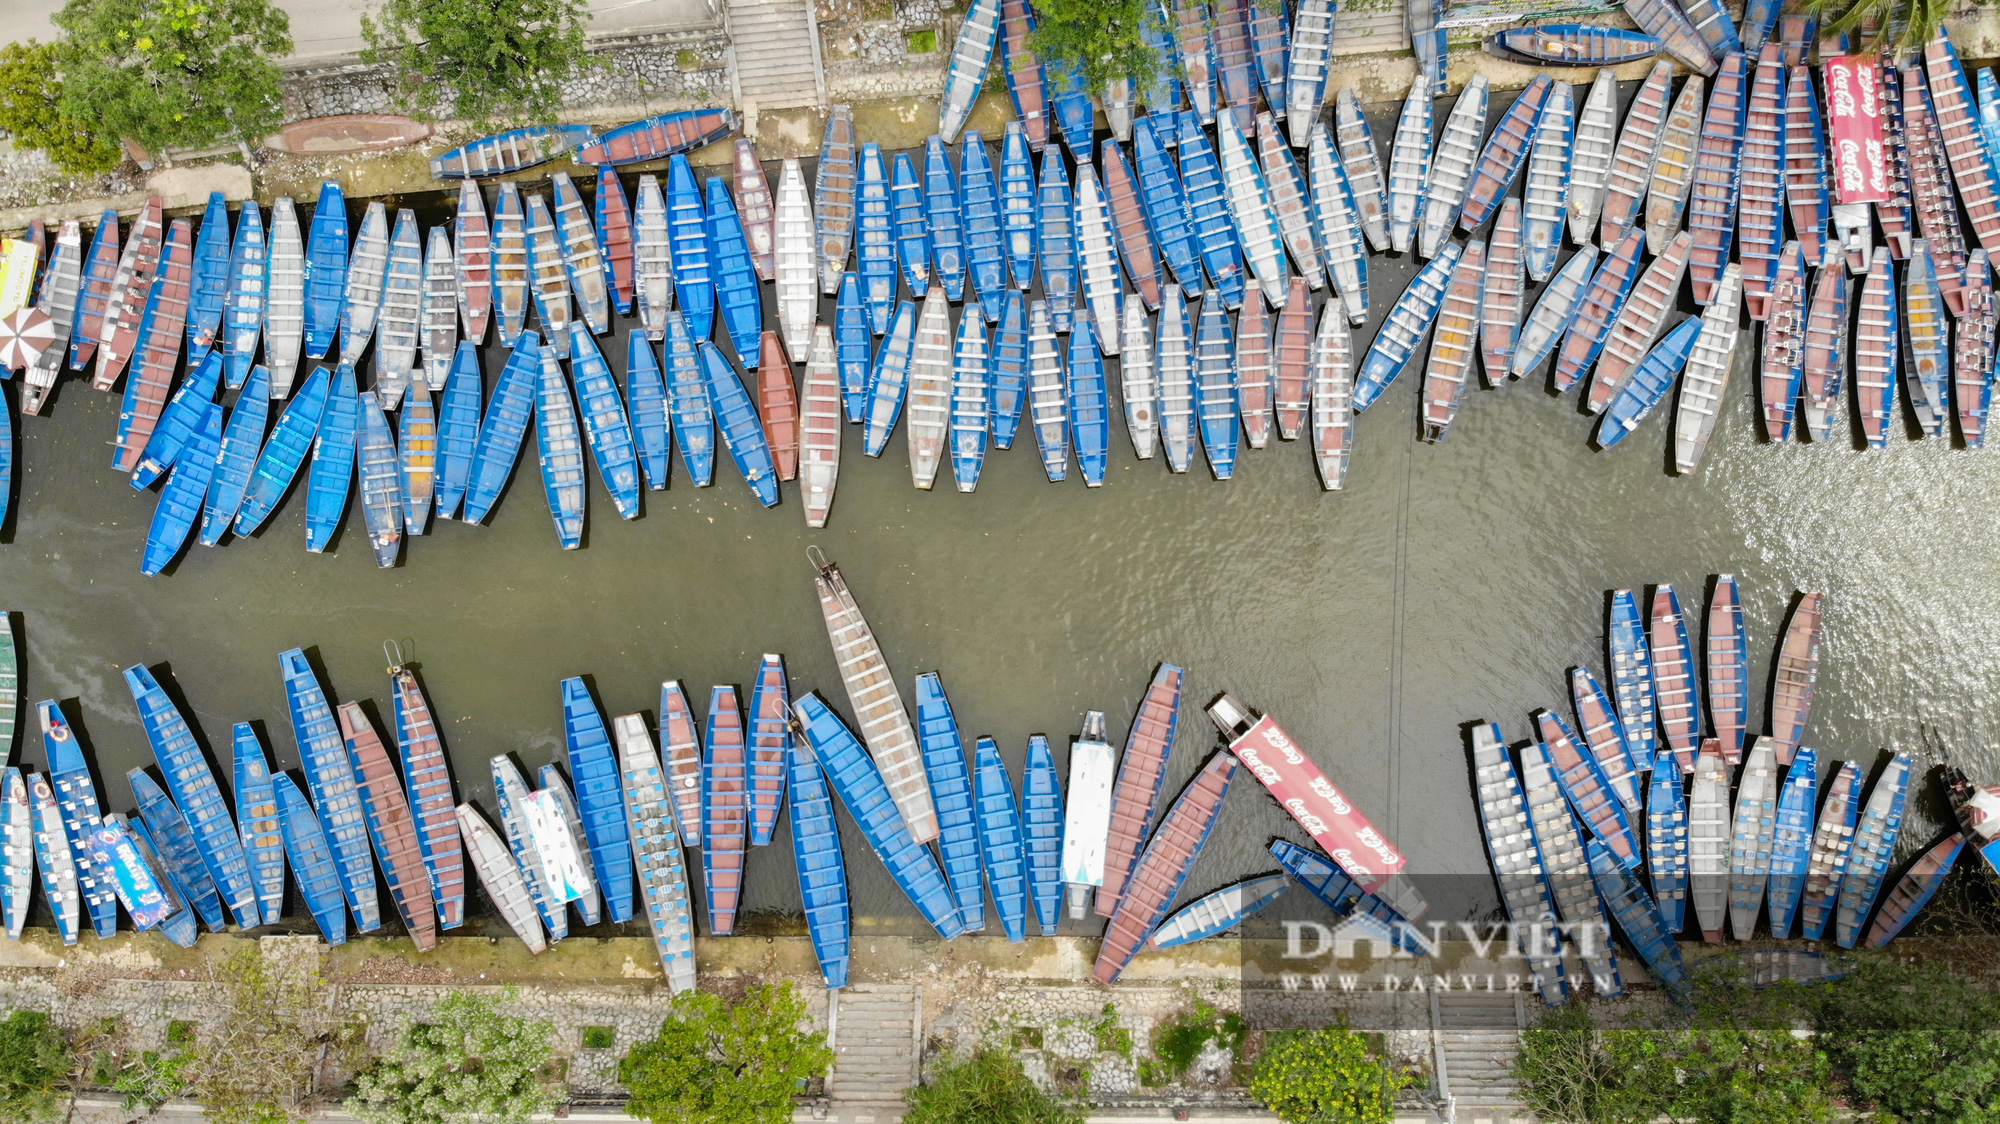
[[1914, 1041], [1324, 1076], [718, 1063], [173, 73], [31, 89], [34, 1068], [987, 1088], [1102, 41], [1901, 23], [470, 1062], [485, 61]]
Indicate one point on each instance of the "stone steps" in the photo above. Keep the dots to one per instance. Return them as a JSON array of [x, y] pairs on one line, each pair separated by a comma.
[[875, 1044], [775, 46]]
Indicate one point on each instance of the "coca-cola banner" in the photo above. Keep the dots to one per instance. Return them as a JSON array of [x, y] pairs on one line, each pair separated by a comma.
[[1323, 810], [1854, 124]]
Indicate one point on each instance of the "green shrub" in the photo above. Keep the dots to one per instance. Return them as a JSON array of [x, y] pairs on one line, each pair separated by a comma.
[[31, 108], [1100, 38], [34, 1068], [173, 73], [470, 1063], [987, 1088], [922, 42], [1111, 1037], [717, 1063], [600, 1037], [1323, 1076], [486, 61], [1912, 1041], [1183, 1038]]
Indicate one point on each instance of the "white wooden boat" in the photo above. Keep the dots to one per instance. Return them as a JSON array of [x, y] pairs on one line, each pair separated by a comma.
[[401, 318], [1332, 398], [1173, 358], [1639, 322], [1708, 840], [1926, 342], [972, 401], [1409, 168], [1306, 66], [501, 876], [653, 259], [285, 298], [1218, 912], [1290, 201], [965, 74], [1875, 834], [755, 210], [1250, 208], [510, 792], [1099, 257], [819, 437], [663, 887], [1673, 168], [1451, 167], [1876, 344], [1547, 193], [1517, 862], [1832, 843], [58, 301], [1048, 404], [1338, 225], [1453, 342], [551, 278], [878, 707], [1590, 161], [1506, 289], [1638, 150], [472, 256], [798, 295], [1570, 883], [1751, 837], [438, 319], [928, 403], [367, 274], [1707, 377], [17, 841], [510, 264], [1363, 164], [1553, 313], [581, 256], [1117, 101], [1139, 382]]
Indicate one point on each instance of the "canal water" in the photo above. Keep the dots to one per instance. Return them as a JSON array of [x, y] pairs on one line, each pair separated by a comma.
[[1446, 584]]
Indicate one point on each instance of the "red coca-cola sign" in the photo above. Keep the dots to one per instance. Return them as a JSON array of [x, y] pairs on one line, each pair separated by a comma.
[[1854, 129], [1322, 809]]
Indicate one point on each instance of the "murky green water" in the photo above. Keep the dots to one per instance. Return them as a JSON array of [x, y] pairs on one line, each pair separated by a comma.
[[1447, 584]]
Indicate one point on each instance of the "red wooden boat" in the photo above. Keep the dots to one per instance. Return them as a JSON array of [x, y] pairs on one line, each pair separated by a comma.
[[756, 211], [778, 402], [1632, 160], [1931, 195], [1595, 804], [1291, 384], [1895, 215], [1140, 774], [680, 742], [770, 747], [1506, 150], [1128, 216], [614, 233], [658, 137], [1760, 191], [1157, 877], [1639, 322], [1024, 72], [130, 287], [153, 370], [1500, 304], [725, 791], [391, 826], [1253, 369], [1805, 166], [1798, 672], [1784, 345], [1972, 352], [473, 246], [1610, 287], [1913, 891], [1712, 198], [429, 779], [1826, 349], [1449, 366], [1673, 677], [93, 296], [1951, 97]]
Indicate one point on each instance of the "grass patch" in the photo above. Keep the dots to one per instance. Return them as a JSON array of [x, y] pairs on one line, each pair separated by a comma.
[[1111, 1037], [687, 60], [179, 1032], [920, 42], [1027, 1038], [599, 1037], [1182, 1039]]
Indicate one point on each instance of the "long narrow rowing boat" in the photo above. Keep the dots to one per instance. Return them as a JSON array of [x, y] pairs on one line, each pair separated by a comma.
[[593, 765], [1832, 842], [1517, 863], [1873, 849], [680, 739], [725, 810], [257, 820], [1567, 866], [878, 706], [822, 868], [951, 793], [428, 779], [1791, 839], [770, 739], [391, 827], [501, 875], [1752, 836], [1157, 877], [195, 791], [312, 858], [1141, 772], [330, 776]]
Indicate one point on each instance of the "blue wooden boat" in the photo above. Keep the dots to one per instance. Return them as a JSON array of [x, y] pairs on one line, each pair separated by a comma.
[[1791, 841], [1165, 203], [458, 428], [1332, 886], [55, 861], [1505, 152], [210, 281], [330, 777], [913, 237], [875, 237], [176, 840], [326, 270], [244, 301], [181, 500], [1306, 58], [1989, 123], [947, 226], [93, 291], [980, 204], [1644, 926], [151, 371], [257, 821], [655, 137], [76, 801], [604, 421], [1218, 912], [1163, 96], [381, 480], [1585, 786], [951, 795], [1057, 237], [1215, 386], [146, 895], [17, 840], [1208, 213], [510, 793], [687, 230], [559, 448], [1009, 379], [1042, 829], [514, 150], [1000, 841], [742, 431], [736, 287], [1667, 839], [510, 272], [290, 441], [312, 859], [965, 75], [861, 788], [821, 866], [1408, 320], [195, 791], [1089, 404], [1647, 385], [331, 475], [1874, 846], [652, 425], [236, 460], [888, 382], [583, 262], [1069, 104], [179, 421], [548, 278], [1574, 44], [1632, 677], [1018, 212], [687, 397], [1048, 409], [971, 401], [181, 925], [504, 428], [854, 347], [593, 764], [1270, 48]]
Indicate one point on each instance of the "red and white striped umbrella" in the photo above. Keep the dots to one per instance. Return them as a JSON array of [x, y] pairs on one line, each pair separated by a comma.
[[24, 334]]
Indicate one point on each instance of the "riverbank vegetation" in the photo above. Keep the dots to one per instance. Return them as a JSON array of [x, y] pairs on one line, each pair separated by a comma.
[[987, 1087], [493, 62], [467, 1062], [717, 1062], [33, 112], [35, 1060], [1324, 1076]]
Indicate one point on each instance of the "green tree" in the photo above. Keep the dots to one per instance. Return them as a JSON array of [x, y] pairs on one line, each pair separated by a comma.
[[31, 89], [34, 1068], [1103, 40], [719, 1063], [469, 1063], [1900, 23], [987, 1088], [1913, 1041], [1324, 1076], [173, 73], [486, 61]]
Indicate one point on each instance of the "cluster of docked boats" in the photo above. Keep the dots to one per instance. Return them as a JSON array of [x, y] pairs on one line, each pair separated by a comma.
[[1739, 825], [612, 839]]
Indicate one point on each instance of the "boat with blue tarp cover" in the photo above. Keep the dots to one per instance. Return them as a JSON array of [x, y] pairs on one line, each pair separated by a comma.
[[1001, 843], [236, 460], [742, 431], [687, 397], [331, 475], [312, 860], [875, 237], [736, 288], [76, 802], [504, 428], [195, 791], [593, 765], [178, 850], [284, 451], [652, 424], [180, 501], [912, 225], [1009, 370], [979, 197], [947, 226], [1042, 832], [951, 795], [604, 422], [458, 429], [687, 231], [180, 925], [859, 783], [326, 270], [330, 777], [257, 821]]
